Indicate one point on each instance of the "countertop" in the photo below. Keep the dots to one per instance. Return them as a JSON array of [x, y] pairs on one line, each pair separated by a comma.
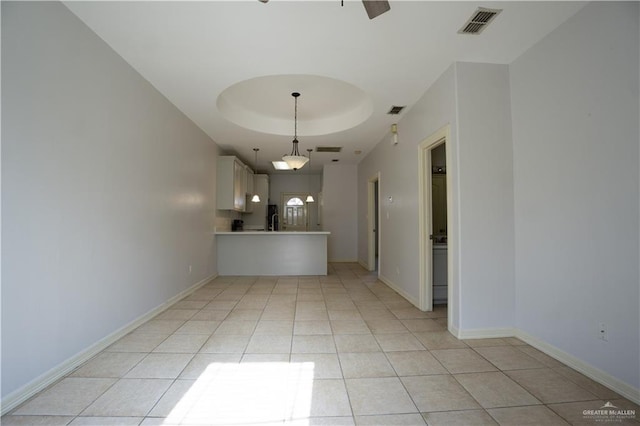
[[272, 233]]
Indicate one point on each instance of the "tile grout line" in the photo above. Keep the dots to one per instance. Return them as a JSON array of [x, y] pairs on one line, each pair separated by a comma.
[[358, 307], [344, 380]]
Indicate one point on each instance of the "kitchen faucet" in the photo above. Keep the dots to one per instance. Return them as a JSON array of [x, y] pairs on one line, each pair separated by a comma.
[[273, 218]]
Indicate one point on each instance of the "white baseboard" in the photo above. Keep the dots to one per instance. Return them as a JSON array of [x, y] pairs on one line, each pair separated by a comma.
[[577, 364], [41, 382], [605, 379], [485, 333], [398, 290], [453, 330]]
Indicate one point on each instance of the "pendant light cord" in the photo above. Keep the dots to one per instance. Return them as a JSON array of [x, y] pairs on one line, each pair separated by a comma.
[[295, 124], [255, 161], [295, 161]]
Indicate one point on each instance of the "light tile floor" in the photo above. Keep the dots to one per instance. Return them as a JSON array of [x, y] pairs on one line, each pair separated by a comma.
[[337, 350]]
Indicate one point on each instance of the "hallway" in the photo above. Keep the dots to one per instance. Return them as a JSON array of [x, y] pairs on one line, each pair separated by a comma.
[[341, 349]]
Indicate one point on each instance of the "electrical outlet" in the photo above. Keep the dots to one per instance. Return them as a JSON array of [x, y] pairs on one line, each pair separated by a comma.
[[602, 332], [190, 269]]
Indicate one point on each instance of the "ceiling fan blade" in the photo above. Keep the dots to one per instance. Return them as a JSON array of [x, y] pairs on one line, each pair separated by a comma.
[[375, 7]]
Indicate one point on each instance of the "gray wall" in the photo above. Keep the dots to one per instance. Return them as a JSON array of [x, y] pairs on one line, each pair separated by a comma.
[[558, 185], [296, 182], [485, 170], [398, 168], [575, 127], [473, 99], [340, 211], [108, 193]]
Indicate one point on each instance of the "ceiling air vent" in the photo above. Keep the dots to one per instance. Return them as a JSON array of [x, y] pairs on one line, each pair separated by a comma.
[[328, 148], [479, 20], [395, 110]]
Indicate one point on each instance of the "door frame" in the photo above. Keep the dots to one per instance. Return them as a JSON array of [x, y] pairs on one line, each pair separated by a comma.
[[371, 225], [282, 214], [441, 136]]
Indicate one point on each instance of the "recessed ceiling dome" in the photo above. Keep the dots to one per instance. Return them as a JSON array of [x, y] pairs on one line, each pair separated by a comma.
[[325, 105]]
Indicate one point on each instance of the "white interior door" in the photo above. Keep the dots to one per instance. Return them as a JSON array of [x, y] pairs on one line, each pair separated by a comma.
[[294, 212]]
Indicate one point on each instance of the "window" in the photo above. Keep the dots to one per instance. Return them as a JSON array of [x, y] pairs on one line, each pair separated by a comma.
[[295, 202]]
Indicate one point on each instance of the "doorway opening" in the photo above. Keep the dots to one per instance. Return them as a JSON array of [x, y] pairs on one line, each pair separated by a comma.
[[435, 250], [373, 223], [439, 224]]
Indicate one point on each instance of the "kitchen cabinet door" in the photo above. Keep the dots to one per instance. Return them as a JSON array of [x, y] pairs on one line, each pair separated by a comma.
[[230, 184], [239, 185]]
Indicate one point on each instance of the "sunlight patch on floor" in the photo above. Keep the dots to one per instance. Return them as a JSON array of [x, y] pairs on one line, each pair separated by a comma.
[[249, 393]]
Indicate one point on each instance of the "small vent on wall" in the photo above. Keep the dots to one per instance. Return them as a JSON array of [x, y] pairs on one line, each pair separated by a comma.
[[328, 148], [479, 20], [395, 109]]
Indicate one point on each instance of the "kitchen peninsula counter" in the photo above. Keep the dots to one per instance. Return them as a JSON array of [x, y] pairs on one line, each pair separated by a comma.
[[272, 253]]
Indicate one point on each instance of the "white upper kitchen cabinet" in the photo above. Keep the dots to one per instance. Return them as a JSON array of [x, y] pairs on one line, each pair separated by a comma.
[[249, 174], [231, 184]]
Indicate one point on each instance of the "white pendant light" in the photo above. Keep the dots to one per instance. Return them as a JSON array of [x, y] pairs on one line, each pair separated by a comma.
[[295, 160], [309, 197], [256, 197]]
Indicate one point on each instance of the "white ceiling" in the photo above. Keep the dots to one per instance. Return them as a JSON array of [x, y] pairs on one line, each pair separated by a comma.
[[193, 51]]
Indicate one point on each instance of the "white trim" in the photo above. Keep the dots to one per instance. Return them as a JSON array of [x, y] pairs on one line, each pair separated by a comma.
[[425, 224], [453, 330], [267, 233], [485, 333], [577, 364], [398, 290], [594, 373], [20, 395], [442, 135], [371, 221]]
